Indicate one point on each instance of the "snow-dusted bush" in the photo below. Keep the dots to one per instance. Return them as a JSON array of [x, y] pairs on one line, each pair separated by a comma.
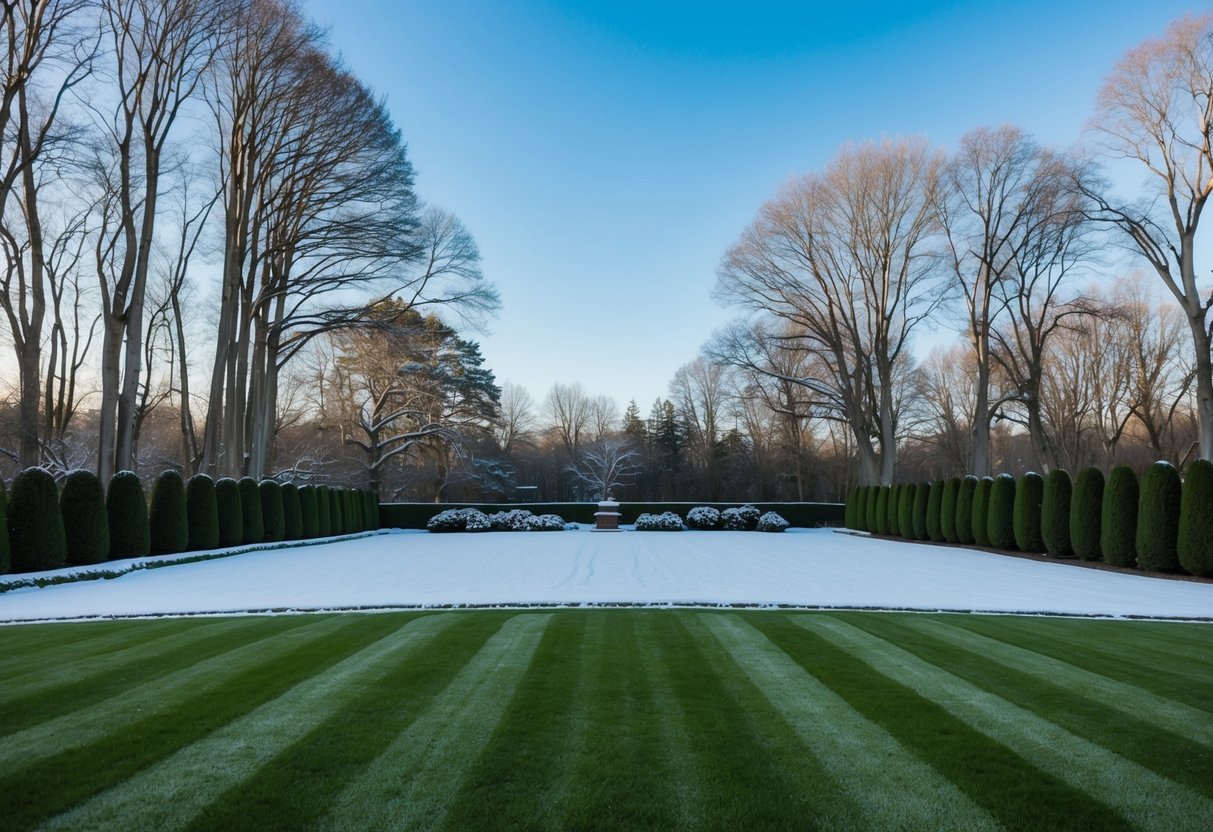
[[667, 521], [451, 520], [743, 519], [476, 521], [703, 517], [515, 520], [771, 522], [545, 523]]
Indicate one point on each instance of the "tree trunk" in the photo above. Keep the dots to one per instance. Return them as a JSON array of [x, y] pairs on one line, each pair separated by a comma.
[[1204, 382]]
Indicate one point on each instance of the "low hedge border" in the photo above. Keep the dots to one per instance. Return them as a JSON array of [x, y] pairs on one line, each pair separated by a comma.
[[416, 515]]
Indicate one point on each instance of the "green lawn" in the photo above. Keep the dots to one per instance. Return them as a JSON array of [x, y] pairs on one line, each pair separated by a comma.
[[607, 719]]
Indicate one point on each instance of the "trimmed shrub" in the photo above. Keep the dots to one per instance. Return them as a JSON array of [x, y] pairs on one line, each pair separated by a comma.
[[336, 514], [515, 520], [127, 510], [202, 513], [1158, 518], [357, 521], [981, 511], [374, 502], [555, 523], [324, 512], [1086, 507], [1195, 543], [922, 493], [947, 510], [250, 511], [934, 508], [1000, 517], [309, 512], [848, 515], [869, 515], [1029, 494], [771, 522], [964, 509], [905, 511], [273, 522], [667, 521], [167, 518], [705, 518], [1055, 514], [458, 520], [35, 526], [6, 554], [292, 513], [882, 510], [231, 513], [86, 525], [891, 509], [1118, 519]]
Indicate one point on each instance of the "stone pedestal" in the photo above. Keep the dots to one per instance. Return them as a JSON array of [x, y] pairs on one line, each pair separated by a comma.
[[606, 519]]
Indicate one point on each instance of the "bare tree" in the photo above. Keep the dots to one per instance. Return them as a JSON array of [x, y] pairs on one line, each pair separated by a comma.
[[567, 408], [607, 464], [517, 422]]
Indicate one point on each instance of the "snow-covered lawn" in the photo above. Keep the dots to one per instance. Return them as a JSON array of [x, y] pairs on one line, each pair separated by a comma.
[[802, 567]]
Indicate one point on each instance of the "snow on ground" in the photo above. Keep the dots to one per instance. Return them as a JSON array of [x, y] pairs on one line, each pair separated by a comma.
[[801, 567]]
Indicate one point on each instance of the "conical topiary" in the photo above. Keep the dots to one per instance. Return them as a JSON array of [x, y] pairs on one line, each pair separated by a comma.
[[292, 513], [1086, 510], [309, 512], [1195, 544], [127, 510], [1158, 518], [1029, 494], [202, 513], [35, 526], [167, 517], [1000, 519], [86, 525], [250, 510], [1118, 520], [947, 510], [273, 521], [964, 509], [1055, 514], [934, 509], [981, 511], [922, 493], [231, 512]]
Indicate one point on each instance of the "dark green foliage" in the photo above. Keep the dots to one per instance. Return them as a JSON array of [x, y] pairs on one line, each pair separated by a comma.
[[922, 493], [353, 511], [1195, 545], [1158, 518], [1000, 518], [336, 515], [292, 517], [127, 509], [870, 508], [934, 511], [849, 521], [202, 512], [1118, 520], [372, 508], [947, 510], [1029, 494], [882, 510], [167, 519], [861, 509], [6, 556], [250, 511], [324, 512], [86, 525], [891, 516], [35, 526], [231, 512], [905, 511], [981, 511], [1055, 514], [309, 512], [1086, 507], [964, 509], [273, 521]]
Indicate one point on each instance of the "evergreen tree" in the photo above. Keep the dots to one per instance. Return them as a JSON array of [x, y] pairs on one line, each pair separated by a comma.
[[1086, 510], [947, 510], [1195, 544], [981, 511], [1118, 523], [229, 506], [1055, 514], [905, 511], [309, 512], [35, 526], [6, 556], [202, 509], [935, 511], [250, 510], [1029, 494], [922, 494], [292, 513], [85, 521], [964, 509], [324, 512], [273, 522], [127, 510], [1000, 519], [167, 518], [1158, 518], [882, 510]]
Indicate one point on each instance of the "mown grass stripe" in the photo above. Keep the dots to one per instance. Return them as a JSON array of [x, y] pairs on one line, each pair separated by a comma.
[[1147, 799], [169, 794], [893, 788], [410, 783], [28, 648], [1131, 700], [81, 727]]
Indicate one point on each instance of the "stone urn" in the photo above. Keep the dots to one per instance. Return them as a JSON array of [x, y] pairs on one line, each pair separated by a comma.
[[606, 519]]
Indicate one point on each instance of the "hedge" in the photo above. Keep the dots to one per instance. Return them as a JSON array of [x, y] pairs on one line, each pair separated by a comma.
[[869, 511], [1055, 514], [1029, 494], [1158, 518], [1000, 518], [228, 503], [202, 513], [6, 555], [934, 507], [309, 512], [35, 526], [882, 510], [127, 510], [372, 501], [861, 509], [981, 511], [1195, 543], [964, 509], [336, 515], [905, 511], [947, 510], [86, 525], [324, 512], [292, 516], [273, 521], [891, 516], [167, 520], [849, 521], [922, 493], [1118, 523], [1086, 508], [250, 511]]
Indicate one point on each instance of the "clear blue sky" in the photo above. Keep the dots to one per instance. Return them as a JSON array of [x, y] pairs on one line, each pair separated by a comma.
[[605, 154]]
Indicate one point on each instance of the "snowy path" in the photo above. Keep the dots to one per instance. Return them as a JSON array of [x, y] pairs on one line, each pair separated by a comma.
[[803, 567]]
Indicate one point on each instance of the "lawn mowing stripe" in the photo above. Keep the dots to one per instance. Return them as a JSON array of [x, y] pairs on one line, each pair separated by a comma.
[[892, 787], [519, 780], [1146, 799], [409, 785], [1129, 699], [103, 718], [170, 793], [29, 648]]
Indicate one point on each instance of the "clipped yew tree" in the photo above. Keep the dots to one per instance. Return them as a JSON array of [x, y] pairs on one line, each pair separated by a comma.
[[292, 513], [1158, 518], [964, 509], [869, 510], [1055, 514], [1000, 518], [250, 511], [336, 515], [324, 512], [273, 523], [861, 509], [127, 510], [882, 510], [35, 526], [6, 554], [905, 511], [202, 513], [372, 510], [1086, 509], [86, 524], [934, 508], [1029, 494], [922, 493], [309, 513], [231, 512], [1195, 543], [980, 517], [947, 510], [1118, 519], [167, 519], [848, 512]]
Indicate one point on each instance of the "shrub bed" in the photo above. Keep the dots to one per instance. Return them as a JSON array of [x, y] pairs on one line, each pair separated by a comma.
[[416, 515], [739, 519], [1118, 519], [86, 525], [1158, 518], [1086, 509]]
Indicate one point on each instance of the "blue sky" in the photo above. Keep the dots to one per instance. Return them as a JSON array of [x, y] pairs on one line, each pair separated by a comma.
[[605, 155]]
